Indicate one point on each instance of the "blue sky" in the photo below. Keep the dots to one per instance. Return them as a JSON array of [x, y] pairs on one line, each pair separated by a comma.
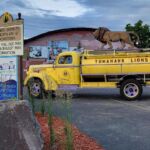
[[46, 15]]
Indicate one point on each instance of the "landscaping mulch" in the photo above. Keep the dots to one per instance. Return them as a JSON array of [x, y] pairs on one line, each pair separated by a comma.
[[80, 140]]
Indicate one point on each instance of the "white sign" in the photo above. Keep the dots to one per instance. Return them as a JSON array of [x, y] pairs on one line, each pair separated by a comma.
[[8, 78], [11, 40]]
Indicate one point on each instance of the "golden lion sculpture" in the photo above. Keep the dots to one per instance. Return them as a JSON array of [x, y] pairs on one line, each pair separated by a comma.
[[106, 36]]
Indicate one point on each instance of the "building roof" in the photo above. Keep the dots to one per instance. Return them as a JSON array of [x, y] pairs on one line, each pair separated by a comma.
[[58, 31]]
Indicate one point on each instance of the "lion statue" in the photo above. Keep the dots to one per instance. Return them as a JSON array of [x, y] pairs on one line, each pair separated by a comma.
[[106, 36]]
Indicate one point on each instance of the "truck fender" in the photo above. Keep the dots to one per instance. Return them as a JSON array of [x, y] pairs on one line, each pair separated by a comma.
[[48, 82]]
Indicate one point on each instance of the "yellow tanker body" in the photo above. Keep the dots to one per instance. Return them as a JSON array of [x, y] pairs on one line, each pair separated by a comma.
[[127, 70], [116, 63]]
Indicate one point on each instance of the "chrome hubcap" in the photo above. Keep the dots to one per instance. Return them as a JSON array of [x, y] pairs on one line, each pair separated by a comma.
[[131, 90], [35, 89]]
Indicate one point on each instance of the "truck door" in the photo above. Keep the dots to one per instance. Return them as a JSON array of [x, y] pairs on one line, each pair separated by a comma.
[[67, 71]]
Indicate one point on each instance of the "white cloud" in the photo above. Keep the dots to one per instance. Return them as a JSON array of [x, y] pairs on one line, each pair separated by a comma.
[[45, 13], [64, 8], [67, 8]]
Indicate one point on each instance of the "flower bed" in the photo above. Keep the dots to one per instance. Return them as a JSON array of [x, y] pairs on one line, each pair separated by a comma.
[[80, 140]]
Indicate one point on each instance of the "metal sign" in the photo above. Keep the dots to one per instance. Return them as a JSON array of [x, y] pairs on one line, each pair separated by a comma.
[[11, 36], [8, 78]]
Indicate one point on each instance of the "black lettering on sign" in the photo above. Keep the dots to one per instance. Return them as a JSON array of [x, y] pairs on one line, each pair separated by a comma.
[[139, 60], [103, 61], [122, 60], [146, 59], [115, 61], [107, 61], [111, 61]]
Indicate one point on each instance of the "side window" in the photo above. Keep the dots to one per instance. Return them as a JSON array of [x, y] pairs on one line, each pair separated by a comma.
[[61, 60], [68, 60], [65, 60]]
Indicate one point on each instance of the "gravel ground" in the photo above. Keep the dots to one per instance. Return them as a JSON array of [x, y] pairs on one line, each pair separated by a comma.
[[114, 123]]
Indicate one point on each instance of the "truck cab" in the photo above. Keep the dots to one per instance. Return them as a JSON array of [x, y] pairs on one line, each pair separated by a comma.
[[67, 69], [64, 73]]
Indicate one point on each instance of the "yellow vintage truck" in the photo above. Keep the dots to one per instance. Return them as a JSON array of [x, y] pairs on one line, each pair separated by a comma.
[[127, 70]]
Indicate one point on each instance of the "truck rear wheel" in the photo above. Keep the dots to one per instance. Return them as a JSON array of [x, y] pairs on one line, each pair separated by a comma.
[[35, 88], [131, 89]]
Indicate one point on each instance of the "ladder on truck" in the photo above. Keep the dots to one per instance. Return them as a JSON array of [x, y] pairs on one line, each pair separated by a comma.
[[115, 51]]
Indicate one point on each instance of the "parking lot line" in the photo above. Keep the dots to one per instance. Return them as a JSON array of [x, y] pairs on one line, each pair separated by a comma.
[[133, 105]]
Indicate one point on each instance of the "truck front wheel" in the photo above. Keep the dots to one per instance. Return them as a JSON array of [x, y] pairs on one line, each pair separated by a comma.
[[35, 88], [131, 89]]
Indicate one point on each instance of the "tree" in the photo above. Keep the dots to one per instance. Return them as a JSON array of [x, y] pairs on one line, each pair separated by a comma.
[[143, 31]]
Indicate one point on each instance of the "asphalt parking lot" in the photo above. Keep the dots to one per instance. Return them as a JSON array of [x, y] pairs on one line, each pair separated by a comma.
[[114, 123]]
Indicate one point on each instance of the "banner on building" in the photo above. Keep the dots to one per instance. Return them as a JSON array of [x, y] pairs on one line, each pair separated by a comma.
[[38, 52], [59, 46], [56, 47]]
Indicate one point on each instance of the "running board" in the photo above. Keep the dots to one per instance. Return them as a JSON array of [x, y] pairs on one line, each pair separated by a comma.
[[68, 87], [98, 84]]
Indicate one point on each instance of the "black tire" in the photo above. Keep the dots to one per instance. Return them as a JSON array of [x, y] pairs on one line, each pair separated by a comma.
[[35, 88], [131, 89]]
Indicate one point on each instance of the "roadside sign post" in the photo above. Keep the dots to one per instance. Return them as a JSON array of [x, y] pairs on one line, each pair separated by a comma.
[[11, 51]]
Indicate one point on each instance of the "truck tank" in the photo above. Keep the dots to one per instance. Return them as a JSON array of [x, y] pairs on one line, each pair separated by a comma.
[[115, 62]]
